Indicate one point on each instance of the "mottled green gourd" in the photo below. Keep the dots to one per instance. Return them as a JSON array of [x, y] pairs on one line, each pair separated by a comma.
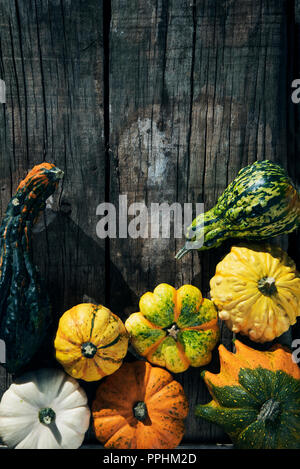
[[260, 203], [24, 305], [255, 398]]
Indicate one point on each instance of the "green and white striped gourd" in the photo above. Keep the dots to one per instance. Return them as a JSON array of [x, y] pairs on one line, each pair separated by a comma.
[[261, 202]]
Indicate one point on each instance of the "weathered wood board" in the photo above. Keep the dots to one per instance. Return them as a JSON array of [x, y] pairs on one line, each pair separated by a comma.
[[159, 100]]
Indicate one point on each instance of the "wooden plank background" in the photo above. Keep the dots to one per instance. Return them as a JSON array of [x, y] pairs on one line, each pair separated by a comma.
[[161, 100]]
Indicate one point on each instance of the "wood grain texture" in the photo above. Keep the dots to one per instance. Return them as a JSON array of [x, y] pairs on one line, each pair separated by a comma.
[[163, 102], [297, 11]]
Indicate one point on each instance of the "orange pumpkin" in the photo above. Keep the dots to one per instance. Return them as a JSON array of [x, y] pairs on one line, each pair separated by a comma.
[[140, 407]]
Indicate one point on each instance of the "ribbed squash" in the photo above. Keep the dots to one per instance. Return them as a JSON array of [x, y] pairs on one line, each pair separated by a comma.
[[174, 328], [25, 312], [257, 291], [256, 398], [90, 342], [260, 203], [140, 407], [44, 409]]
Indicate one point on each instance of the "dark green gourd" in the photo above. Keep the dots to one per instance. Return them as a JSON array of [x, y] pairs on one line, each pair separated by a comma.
[[25, 311], [260, 203], [255, 397]]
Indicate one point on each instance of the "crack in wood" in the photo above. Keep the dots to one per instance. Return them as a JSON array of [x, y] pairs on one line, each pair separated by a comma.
[[106, 119]]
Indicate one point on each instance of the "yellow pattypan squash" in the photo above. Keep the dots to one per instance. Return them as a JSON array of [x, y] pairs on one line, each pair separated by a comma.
[[91, 342], [257, 291]]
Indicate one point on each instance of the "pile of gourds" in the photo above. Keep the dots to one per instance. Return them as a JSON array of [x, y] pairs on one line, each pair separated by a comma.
[[255, 290]]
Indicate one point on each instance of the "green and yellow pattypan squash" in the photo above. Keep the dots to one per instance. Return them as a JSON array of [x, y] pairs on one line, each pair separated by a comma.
[[174, 329]]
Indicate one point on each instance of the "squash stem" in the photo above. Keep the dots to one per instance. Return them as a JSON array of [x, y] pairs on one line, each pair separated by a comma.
[[46, 415], [140, 411], [88, 349], [269, 411], [173, 331], [267, 286]]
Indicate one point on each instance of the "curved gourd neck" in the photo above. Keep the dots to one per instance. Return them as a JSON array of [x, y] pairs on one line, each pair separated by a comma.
[[206, 231]]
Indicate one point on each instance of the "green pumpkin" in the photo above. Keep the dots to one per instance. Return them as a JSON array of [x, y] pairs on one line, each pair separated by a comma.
[[256, 398], [260, 203], [174, 328], [25, 311]]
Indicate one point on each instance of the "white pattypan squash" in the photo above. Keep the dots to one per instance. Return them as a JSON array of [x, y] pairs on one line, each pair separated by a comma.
[[44, 409]]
